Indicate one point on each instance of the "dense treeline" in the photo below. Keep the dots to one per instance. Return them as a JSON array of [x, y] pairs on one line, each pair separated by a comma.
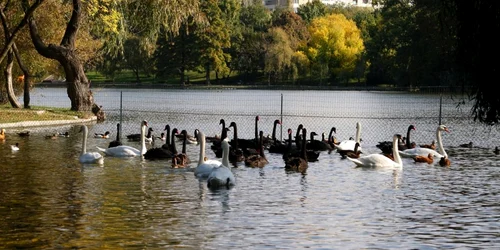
[[409, 43]]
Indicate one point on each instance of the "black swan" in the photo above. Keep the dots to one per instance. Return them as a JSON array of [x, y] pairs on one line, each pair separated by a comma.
[[258, 160], [117, 141], [299, 163], [181, 160], [161, 152]]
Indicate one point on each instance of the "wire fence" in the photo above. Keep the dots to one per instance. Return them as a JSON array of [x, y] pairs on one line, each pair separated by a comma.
[[381, 113]]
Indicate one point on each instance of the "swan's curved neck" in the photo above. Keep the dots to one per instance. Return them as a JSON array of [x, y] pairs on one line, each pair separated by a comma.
[[225, 154], [395, 151], [274, 131], [440, 143], [358, 133], [201, 159], [84, 142], [408, 143], [256, 129], [143, 139]]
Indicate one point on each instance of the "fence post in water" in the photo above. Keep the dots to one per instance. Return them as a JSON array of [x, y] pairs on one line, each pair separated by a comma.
[[281, 119], [440, 107], [121, 114]]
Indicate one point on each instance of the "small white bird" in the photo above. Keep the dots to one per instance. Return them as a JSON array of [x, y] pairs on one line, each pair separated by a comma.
[[15, 147]]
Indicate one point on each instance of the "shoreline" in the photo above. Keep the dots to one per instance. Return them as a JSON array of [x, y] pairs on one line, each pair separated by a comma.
[[29, 124], [60, 84]]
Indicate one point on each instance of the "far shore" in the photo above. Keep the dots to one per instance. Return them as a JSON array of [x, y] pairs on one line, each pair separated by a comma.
[[353, 87]]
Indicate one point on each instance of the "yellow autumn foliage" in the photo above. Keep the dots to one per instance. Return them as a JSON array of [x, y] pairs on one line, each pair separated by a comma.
[[335, 40]]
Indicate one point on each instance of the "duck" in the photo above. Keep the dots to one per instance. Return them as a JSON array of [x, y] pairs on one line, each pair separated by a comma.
[[162, 136], [100, 135], [431, 146], [429, 159], [24, 133], [496, 150], [377, 160], [355, 153], [221, 176], [63, 134], [466, 145], [181, 160], [299, 163], [2, 134], [190, 139], [52, 136], [205, 166], [88, 157], [258, 160], [15, 147], [117, 141], [348, 145], [128, 151], [412, 152], [444, 161], [163, 152]]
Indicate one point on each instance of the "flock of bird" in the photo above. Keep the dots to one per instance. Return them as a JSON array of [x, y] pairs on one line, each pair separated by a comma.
[[297, 151]]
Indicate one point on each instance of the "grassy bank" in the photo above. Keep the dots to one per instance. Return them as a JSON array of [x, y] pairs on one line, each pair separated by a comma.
[[9, 114]]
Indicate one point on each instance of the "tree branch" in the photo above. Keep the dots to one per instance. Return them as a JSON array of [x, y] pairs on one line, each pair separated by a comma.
[[18, 28]]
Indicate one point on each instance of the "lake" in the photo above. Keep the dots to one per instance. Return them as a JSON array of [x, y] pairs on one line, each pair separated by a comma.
[[49, 200]]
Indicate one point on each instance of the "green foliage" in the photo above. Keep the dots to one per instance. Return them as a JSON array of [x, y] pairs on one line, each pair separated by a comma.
[[312, 10]]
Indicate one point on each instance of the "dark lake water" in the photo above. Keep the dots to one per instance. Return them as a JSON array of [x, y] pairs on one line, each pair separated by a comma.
[[48, 200]]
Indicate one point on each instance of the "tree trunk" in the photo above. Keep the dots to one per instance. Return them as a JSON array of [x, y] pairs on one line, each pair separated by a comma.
[[26, 78], [8, 82], [207, 73], [78, 86]]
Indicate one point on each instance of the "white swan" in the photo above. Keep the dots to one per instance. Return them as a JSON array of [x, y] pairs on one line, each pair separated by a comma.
[[348, 145], [412, 152], [379, 160], [222, 176], [128, 151], [205, 166], [89, 157]]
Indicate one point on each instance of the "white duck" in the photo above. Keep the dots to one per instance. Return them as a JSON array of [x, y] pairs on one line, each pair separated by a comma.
[[89, 157], [412, 152], [222, 176], [348, 145], [379, 160], [128, 151], [15, 147], [205, 166]]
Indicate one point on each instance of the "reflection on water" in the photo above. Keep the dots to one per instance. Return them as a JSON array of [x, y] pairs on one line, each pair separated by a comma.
[[49, 200]]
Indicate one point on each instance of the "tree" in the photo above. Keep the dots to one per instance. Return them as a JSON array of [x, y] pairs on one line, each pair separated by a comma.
[[477, 50], [312, 10], [278, 54], [65, 53], [215, 38], [10, 49], [335, 44]]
